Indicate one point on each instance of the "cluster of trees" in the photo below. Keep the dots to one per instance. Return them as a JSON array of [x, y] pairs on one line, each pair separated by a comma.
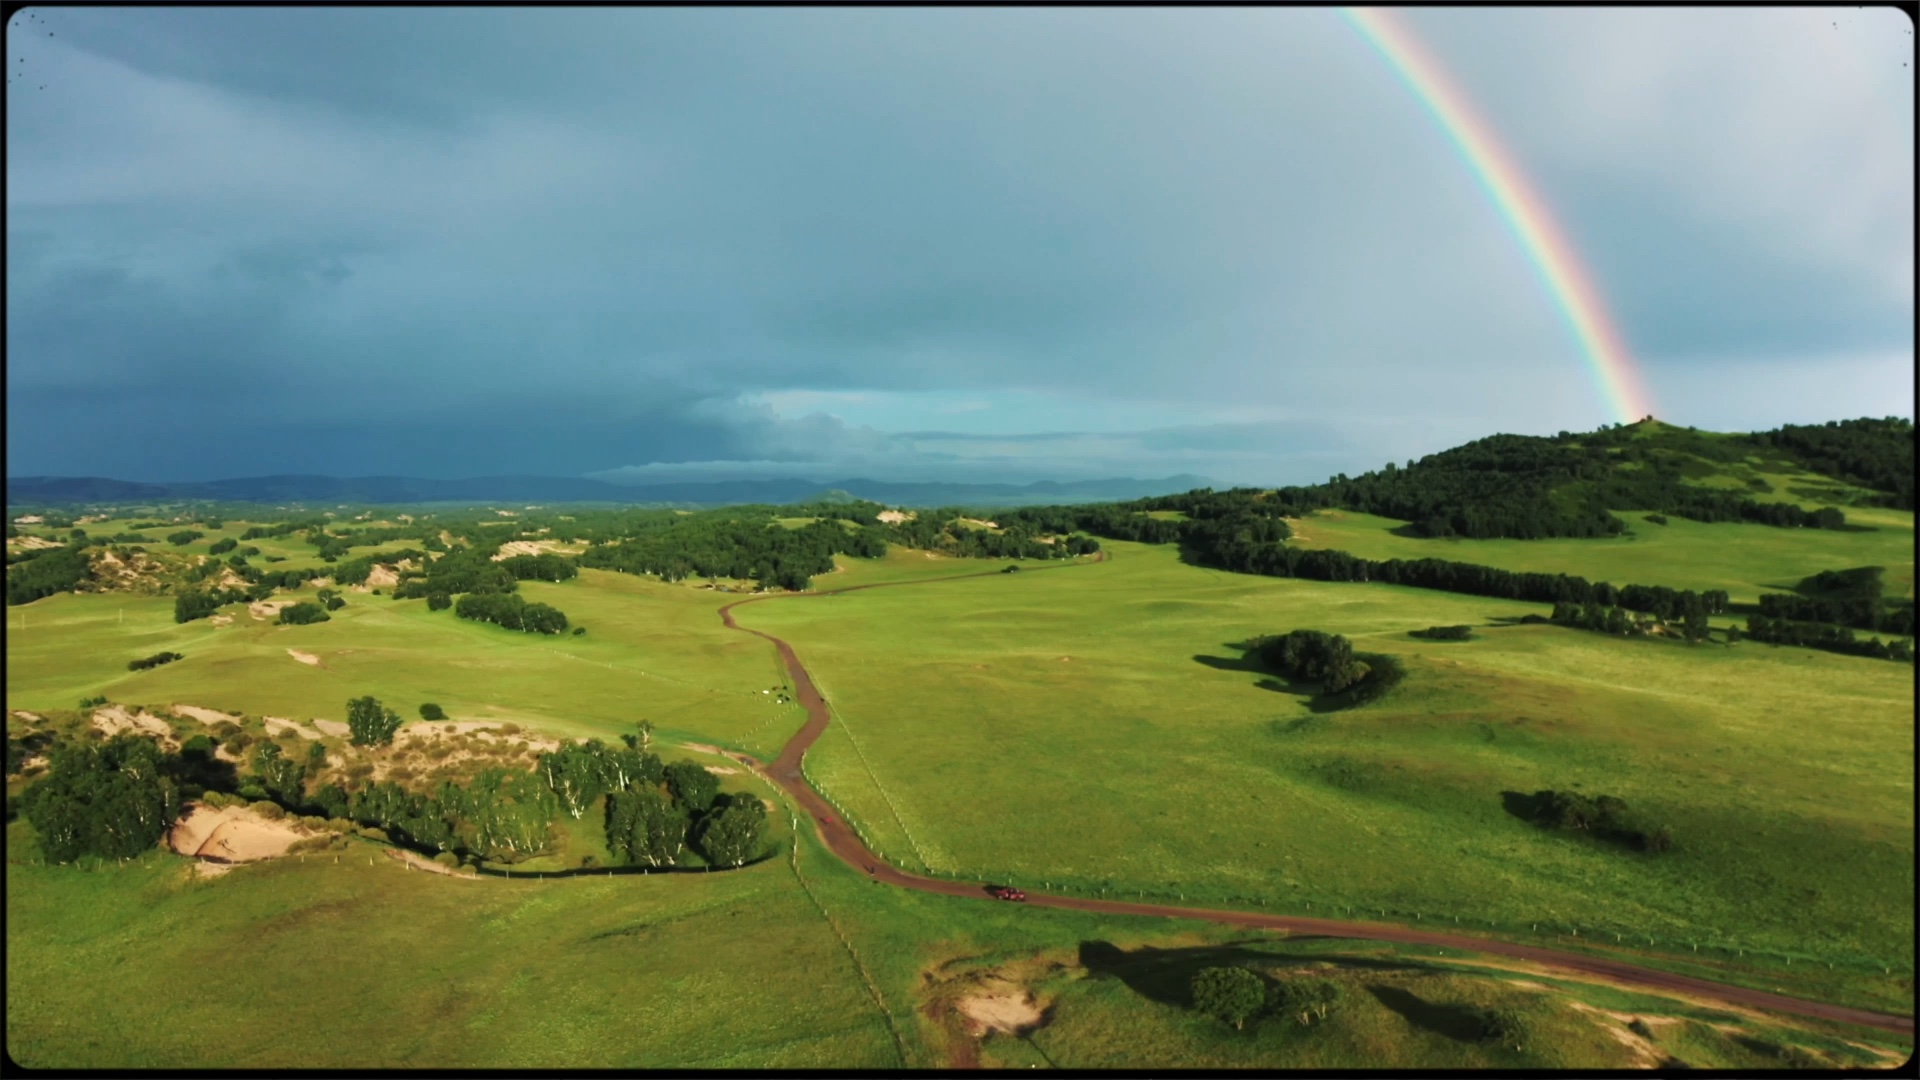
[[545, 566], [45, 572], [184, 537], [1700, 504], [153, 661], [221, 547], [1319, 564], [113, 799], [1878, 454], [1236, 995], [1314, 657], [464, 569], [1843, 597], [512, 612], [302, 613], [1616, 620], [1602, 816], [356, 571], [191, 604], [1826, 636], [737, 547], [1019, 537], [654, 811]]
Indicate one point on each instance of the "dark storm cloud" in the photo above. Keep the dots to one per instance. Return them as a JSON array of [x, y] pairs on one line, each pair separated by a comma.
[[463, 241]]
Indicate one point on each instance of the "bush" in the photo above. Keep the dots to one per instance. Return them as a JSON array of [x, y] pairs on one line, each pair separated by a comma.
[[439, 601], [153, 661], [430, 711], [268, 809], [1232, 994], [578, 630], [302, 613], [447, 859], [1505, 1027], [221, 547], [1444, 633], [214, 799], [1657, 519]]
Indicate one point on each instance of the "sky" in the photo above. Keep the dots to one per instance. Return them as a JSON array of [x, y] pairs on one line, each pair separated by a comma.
[[973, 244]]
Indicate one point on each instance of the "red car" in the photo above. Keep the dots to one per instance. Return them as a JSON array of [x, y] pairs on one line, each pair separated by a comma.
[[1008, 892]]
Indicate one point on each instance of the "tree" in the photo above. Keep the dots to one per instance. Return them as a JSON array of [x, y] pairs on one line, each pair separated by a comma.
[[113, 799], [431, 711], [644, 827], [730, 836], [370, 723], [692, 786], [1232, 994], [283, 778]]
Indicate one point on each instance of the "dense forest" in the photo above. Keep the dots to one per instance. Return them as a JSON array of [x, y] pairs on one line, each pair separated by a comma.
[[1877, 454]]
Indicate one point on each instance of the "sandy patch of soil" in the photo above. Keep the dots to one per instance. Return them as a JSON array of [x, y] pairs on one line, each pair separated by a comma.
[[33, 543], [382, 576], [1066, 659], [278, 724], [32, 718], [933, 555], [208, 717], [433, 730], [895, 517], [234, 834], [1645, 1054], [267, 609], [335, 728], [720, 770], [304, 657], [220, 620], [532, 547], [415, 861], [1012, 1011], [30, 519], [114, 719]]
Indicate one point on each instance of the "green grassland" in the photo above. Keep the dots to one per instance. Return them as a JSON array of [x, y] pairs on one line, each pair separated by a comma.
[[1743, 559], [1092, 728], [795, 962], [1089, 727]]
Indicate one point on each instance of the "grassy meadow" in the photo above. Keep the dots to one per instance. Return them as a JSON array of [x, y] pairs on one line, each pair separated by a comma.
[[1089, 728], [1744, 559], [1094, 728]]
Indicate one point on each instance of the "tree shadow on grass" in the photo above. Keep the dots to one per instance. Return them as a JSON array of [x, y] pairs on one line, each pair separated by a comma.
[[1460, 1023], [1527, 808], [1250, 664], [1166, 975]]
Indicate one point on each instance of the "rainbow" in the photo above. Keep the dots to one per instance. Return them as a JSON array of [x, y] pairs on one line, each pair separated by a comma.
[[1525, 212]]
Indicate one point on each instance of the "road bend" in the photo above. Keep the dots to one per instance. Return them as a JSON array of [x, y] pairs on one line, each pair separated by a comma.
[[840, 839]]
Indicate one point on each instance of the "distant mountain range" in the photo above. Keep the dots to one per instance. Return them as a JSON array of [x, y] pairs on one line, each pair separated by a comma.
[[23, 491]]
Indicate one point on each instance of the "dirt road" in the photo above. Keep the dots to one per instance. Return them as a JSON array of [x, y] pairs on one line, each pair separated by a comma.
[[840, 840]]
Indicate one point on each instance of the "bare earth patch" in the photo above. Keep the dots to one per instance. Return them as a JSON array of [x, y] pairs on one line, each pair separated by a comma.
[[382, 576], [895, 517], [113, 720], [1645, 1055], [1013, 1012], [208, 717], [415, 861], [267, 609], [33, 543], [220, 620], [278, 724], [232, 835], [32, 718], [335, 728], [533, 547], [304, 657]]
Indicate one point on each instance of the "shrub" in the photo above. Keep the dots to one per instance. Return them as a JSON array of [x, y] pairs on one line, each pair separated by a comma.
[[153, 661], [221, 547], [447, 859], [214, 799], [371, 833], [302, 613], [1232, 994], [578, 630], [430, 711], [272, 811], [439, 601], [184, 537], [1657, 519], [1503, 1026], [1444, 633]]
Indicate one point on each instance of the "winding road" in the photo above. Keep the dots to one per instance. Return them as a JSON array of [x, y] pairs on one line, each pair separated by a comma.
[[841, 840]]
